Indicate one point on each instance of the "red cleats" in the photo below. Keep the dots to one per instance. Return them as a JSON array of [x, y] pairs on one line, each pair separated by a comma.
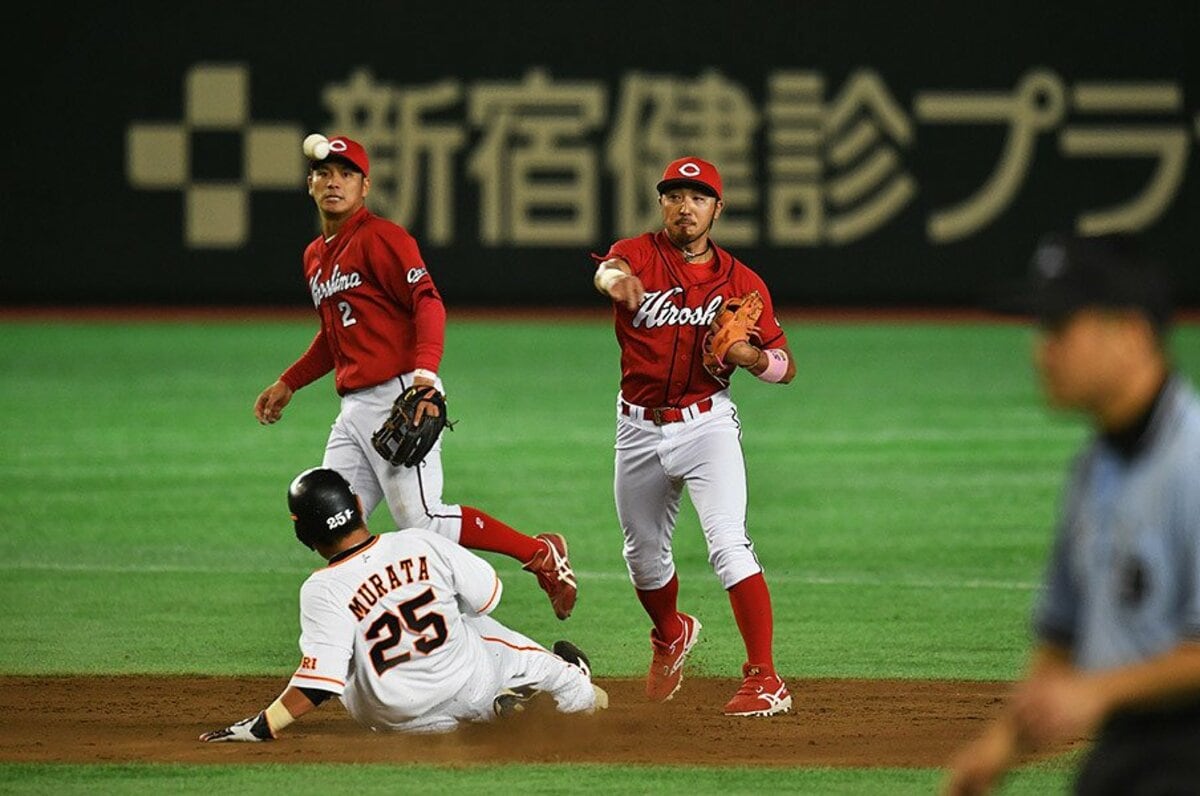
[[554, 573], [666, 667], [762, 694]]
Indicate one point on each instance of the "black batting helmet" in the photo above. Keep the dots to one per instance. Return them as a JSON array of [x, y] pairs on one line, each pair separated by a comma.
[[323, 506]]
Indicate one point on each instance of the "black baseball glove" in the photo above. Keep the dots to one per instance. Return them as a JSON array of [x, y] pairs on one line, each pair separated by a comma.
[[412, 429]]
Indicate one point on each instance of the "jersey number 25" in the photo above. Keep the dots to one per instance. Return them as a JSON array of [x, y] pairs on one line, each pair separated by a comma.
[[388, 628]]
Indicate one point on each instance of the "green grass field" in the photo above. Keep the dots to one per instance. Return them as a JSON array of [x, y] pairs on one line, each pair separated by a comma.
[[902, 491]]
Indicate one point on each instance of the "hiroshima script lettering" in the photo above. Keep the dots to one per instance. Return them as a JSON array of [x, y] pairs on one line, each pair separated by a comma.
[[658, 310], [336, 283]]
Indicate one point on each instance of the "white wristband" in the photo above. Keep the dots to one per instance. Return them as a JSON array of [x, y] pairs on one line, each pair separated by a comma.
[[607, 277], [422, 373]]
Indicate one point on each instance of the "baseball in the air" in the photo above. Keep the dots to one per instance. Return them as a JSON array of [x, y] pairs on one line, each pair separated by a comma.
[[316, 147]]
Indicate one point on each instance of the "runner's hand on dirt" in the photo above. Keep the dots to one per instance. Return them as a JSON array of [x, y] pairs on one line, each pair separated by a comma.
[[244, 730]]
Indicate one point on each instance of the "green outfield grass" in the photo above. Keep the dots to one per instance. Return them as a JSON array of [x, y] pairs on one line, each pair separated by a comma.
[[902, 492], [531, 779]]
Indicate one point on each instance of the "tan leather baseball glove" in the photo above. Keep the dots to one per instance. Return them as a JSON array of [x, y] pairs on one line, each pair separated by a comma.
[[736, 321]]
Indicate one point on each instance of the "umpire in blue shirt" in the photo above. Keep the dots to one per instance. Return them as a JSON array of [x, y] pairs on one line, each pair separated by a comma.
[[1117, 658]]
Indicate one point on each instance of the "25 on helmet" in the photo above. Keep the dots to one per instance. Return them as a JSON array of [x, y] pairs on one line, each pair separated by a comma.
[[323, 506]]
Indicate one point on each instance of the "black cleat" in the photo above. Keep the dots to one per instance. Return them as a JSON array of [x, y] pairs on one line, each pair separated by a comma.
[[573, 655], [512, 700]]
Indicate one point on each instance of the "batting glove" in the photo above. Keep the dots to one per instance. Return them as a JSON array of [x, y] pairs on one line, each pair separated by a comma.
[[253, 729]]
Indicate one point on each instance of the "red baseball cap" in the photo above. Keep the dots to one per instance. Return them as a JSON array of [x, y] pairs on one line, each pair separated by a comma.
[[691, 172], [349, 151]]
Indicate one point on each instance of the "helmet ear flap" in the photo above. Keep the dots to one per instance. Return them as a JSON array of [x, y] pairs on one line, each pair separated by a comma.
[[301, 535]]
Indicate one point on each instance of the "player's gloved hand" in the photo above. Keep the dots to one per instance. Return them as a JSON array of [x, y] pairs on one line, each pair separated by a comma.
[[412, 427], [727, 344], [253, 729]]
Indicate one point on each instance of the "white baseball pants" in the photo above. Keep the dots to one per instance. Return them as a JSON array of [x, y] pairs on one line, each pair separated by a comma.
[[413, 494], [654, 463]]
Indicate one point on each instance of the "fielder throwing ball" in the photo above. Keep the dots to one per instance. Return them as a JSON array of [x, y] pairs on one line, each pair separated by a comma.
[[687, 315], [397, 626], [382, 331]]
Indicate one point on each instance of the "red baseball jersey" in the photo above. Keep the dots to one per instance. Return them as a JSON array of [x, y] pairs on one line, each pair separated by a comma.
[[662, 341], [381, 314]]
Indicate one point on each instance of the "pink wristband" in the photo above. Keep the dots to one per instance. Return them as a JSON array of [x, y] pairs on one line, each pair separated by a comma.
[[777, 364]]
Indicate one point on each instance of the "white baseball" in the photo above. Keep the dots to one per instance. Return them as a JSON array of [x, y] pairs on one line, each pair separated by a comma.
[[316, 147]]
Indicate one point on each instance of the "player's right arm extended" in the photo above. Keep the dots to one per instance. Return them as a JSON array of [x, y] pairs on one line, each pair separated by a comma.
[[267, 724], [614, 278]]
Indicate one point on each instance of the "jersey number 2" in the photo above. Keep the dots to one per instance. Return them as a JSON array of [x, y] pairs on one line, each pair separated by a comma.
[[348, 318], [388, 629]]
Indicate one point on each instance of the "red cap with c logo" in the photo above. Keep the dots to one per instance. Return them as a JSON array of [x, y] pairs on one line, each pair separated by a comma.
[[348, 150], [691, 173]]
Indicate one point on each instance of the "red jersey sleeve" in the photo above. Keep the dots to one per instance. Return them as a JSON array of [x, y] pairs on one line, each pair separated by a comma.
[[411, 285], [312, 364], [408, 276], [429, 318]]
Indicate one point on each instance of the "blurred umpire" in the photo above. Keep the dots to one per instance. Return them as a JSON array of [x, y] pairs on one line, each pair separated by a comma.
[[1117, 625]]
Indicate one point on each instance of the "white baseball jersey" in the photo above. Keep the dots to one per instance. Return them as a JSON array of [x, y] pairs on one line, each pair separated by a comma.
[[398, 629]]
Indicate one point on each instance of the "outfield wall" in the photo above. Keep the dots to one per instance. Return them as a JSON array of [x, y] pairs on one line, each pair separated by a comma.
[[874, 154]]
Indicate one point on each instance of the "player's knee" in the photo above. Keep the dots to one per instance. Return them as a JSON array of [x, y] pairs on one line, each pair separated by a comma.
[[650, 564], [650, 577], [734, 564]]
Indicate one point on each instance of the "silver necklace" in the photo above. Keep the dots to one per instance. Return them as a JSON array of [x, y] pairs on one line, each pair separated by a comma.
[[688, 256]]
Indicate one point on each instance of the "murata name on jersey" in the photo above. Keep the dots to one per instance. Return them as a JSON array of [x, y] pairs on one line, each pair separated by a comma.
[[386, 623], [378, 584]]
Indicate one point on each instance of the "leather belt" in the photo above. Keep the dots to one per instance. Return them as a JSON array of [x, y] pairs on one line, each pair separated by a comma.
[[666, 414]]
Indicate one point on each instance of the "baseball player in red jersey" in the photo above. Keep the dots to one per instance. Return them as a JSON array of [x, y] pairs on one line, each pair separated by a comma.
[[382, 331], [677, 427]]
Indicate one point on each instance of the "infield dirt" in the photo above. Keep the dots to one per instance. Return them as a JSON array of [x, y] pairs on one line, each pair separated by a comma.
[[834, 722]]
